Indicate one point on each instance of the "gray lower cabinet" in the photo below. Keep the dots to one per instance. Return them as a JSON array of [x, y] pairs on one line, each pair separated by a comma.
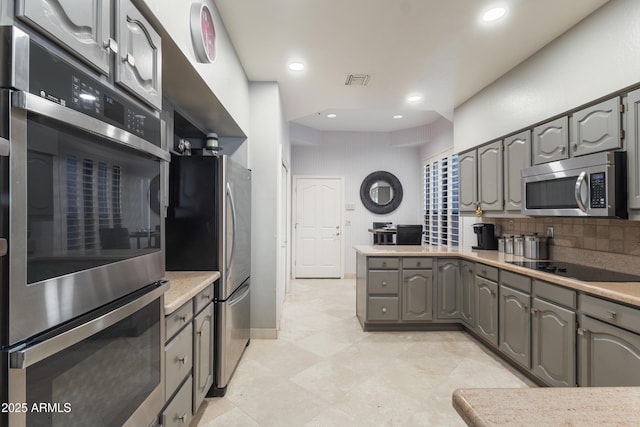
[[517, 156], [202, 355], [468, 181], [467, 279], [448, 289], [486, 309], [608, 343], [553, 355], [515, 325], [596, 128], [189, 357], [609, 355], [417, 295], [550, 141], [633, 148], [490, 177]]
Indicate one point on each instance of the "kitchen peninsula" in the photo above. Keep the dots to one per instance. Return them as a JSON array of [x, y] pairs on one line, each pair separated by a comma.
[[559, 331]]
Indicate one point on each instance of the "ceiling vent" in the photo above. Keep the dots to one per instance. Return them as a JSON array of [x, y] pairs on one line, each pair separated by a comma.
[[357, 80]]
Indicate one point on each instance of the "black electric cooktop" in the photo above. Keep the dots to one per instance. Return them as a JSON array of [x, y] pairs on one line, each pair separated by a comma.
[[577, 271]]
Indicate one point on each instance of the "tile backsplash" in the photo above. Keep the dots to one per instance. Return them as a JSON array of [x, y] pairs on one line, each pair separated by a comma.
[[605, 243]]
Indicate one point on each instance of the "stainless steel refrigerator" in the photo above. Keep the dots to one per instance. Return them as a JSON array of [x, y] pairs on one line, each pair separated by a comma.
[[208, 227]]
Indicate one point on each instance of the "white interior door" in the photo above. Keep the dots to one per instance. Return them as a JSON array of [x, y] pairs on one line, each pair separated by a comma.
[[318, 227]]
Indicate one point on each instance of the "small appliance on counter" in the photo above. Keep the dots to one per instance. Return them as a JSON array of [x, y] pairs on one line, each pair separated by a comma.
[[486, 236]]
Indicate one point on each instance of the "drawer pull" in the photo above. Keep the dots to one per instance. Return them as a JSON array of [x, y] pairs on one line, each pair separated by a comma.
[[612, 315], [384, 309], [484, 272], [182, 318], [419, 263], [182, 418], [182, 359], [384, 283], [206, 297], [384, 263]]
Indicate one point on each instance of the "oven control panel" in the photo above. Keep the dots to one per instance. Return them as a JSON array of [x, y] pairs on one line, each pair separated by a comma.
[[598, 190], [59, 81]]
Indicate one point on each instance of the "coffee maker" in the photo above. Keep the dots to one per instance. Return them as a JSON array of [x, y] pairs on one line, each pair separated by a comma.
[[486, 236]]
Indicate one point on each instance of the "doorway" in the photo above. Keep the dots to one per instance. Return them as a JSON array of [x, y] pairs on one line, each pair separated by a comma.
[[318, 227]]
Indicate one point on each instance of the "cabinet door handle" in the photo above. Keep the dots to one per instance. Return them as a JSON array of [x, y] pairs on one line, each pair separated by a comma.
[[575, 147], [493, 293], [129, 59], [563, 149], [182, 359], [111, 45], [582, 331], [440, 268], [384, 309], [525, 307], [470, 271], [612, 315], [534, 311]]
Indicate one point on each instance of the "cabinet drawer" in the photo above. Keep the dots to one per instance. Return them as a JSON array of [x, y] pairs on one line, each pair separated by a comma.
[[611, 312], [178, 359], [515, 281], [487, 272], [178, 319], [384, 263], [421, 262], [383, 282], [383, 309], [178, 411], [203, 298], [554, 293]]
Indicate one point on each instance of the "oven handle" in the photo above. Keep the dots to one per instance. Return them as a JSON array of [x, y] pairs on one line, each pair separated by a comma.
[[26, 357], [579, 182], [35, 104]]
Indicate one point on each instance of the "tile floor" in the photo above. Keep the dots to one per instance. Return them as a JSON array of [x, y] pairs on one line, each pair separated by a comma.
[[323, 370]]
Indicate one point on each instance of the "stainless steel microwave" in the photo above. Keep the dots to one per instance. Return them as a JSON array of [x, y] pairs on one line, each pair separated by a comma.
[[593, 185]]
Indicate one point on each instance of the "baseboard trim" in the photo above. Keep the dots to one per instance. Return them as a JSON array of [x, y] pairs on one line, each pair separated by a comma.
[[264, 334]]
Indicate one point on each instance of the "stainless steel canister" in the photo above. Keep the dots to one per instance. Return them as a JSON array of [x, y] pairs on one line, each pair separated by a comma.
[[500, 244], [518, 245], [508, 244], [536, 247]]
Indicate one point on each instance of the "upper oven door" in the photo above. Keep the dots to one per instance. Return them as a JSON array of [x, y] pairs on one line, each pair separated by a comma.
[[84, 217]]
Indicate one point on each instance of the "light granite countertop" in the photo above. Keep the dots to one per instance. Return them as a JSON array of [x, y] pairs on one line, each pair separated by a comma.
[[626, 292], [549, 406], [184, 286]]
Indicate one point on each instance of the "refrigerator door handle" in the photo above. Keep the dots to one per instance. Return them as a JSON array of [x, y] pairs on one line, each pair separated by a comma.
[[233, 229], [241, 293]]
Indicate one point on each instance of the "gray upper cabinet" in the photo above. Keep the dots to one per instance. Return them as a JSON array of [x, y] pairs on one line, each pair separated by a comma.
[[490, 177], [83, 27], [417, 295], [467, 275], [517, 156], [515, 325], [596, 128], [139, 61], [448, 289], [486, 309], [554, 344], [468, 172], [633, 148], [551, 141]]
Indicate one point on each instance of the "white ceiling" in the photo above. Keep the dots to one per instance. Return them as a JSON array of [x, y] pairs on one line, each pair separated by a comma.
[[439, 49]]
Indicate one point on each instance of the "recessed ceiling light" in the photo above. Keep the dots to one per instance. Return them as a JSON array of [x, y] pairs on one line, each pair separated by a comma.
[[414, 98], [398, 116], [494, 14], [331, 116], [296, 66]]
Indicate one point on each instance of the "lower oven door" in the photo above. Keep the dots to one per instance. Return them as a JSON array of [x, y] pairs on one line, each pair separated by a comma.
[[107, 371]]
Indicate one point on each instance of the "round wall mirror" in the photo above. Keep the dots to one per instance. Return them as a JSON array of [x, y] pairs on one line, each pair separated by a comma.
[[381, 192]]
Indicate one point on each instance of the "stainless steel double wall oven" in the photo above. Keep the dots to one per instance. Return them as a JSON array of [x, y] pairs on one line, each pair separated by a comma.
[[81, 238]]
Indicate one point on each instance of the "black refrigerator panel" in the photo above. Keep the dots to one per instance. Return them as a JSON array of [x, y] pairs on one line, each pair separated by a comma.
[[192, 218]]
